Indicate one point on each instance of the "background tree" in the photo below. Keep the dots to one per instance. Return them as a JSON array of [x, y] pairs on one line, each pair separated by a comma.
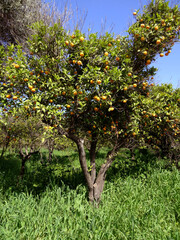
[[7, 134], [160, 121], [92, 88], [17, 16]]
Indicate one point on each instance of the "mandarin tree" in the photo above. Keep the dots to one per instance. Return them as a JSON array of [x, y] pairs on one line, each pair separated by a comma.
[[92, 88], [160, 121]]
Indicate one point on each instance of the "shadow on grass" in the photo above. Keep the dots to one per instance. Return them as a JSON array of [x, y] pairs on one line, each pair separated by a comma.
[[141, 164], [39, 173], [64, 170]]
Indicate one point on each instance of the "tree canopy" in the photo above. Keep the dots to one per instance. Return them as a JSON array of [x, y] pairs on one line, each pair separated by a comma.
[[95, 89]]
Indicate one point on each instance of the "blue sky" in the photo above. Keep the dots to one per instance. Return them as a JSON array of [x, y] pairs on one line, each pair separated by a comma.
[[118, 13]]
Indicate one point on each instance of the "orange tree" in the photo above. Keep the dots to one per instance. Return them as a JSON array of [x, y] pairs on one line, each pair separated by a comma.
[[7, 134], [160, 121], [22, 134], [91, 89]]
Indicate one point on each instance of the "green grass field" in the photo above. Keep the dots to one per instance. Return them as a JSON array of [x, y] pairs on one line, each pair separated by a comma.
[[141, 200]]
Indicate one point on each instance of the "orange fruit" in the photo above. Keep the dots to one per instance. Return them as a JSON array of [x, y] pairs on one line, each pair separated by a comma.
[[104, 97], [106, 54], [91, 81], [142, 38], [96, 98], [161, 54], [134, 13], [145, 53], [73, 36], [125, 88], [125, 101], [81, 39], [72, 44], [67, 43], [129, 74], [68, 106], [63, 93], [79, 63], [156, 28], [33, 89], [96, 109], [50, 100], [98, 81], [158, 41], [8, 96], [142, 25], [81, 54], [117, 58], [134, 85], [15, 98], [16, 66], [75, 93], [147, 27], [148, 62], [111, 108]]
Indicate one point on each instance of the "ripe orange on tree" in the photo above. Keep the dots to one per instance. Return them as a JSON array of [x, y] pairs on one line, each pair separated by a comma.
[[104, 97], [148, 62], [67, 43], [158, 41]]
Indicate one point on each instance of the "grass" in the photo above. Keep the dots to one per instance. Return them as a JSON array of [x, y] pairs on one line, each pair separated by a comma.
[[136, 204]]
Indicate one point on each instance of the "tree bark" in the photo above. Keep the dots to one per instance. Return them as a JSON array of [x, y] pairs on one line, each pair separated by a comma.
[[22, 171], [92, 154], [82, 159], [95, 184]]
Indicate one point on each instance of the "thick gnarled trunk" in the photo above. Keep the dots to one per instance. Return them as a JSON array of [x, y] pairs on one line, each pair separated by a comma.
[[95, 183]]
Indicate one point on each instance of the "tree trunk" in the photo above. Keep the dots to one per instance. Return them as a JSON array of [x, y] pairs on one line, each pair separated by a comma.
[[92, 154], [98, 186], [4, 148], [50, 155], [82, 159], [3, 151], [22, 171], [95, 184]]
